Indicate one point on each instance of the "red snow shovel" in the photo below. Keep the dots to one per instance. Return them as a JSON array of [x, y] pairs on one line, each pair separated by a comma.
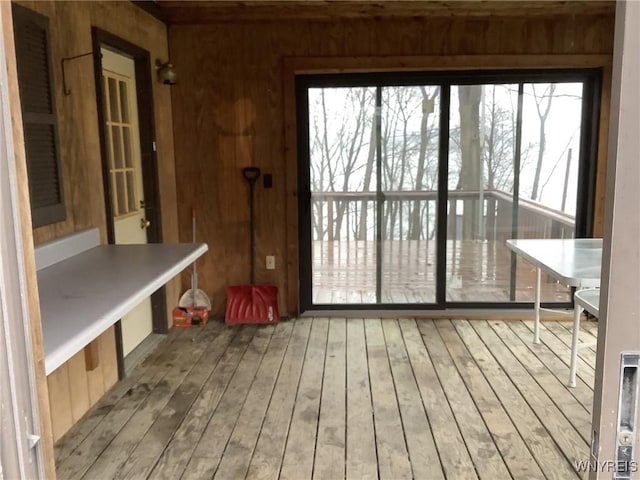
[[252, 303]]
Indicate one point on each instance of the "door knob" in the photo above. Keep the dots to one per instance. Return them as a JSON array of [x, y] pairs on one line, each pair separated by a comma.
[[144, 223]]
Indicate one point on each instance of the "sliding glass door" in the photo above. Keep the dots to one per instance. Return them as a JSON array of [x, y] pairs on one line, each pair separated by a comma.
[[482, 164], [343, 173], [373, 171], [409, 185], [409, 152]]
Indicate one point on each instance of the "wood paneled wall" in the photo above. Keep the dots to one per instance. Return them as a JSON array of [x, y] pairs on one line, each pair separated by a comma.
[[73, 389], [229, 112]]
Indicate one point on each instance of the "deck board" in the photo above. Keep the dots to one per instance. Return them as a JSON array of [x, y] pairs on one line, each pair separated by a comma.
[[556, 389], [297, 462], [554, 420], [361, 458], [184, 440], [152, 445], [319, 398], [538, 439], [344, 272], [425, 462], [454, 456], [484, 452], [331, 437], [210, 448], [237, 455], [582, 392], [120, 449], [267, 457], [118, 416], [512, 447], [393, 457]]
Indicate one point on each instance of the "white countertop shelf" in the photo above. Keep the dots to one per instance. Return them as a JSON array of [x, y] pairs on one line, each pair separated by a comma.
[[83, 295], [573, 262]]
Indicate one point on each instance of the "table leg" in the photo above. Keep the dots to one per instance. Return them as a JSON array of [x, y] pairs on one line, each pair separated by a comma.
[[536, 307], [577, 311]]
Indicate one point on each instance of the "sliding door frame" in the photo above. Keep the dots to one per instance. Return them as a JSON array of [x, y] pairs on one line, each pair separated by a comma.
[[592, 85]]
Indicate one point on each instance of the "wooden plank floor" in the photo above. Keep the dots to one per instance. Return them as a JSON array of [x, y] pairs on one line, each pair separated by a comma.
[[344, 398]]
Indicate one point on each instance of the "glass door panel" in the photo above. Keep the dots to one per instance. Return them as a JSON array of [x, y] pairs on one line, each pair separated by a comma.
[[377, 230], [482, 146], [410, 130], [551, 129], [343, 172]]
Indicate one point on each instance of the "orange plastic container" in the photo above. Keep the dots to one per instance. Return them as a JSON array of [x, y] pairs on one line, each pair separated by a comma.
[[188, 316]]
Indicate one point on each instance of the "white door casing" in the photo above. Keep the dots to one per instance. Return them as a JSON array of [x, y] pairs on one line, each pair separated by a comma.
[[125, 171]]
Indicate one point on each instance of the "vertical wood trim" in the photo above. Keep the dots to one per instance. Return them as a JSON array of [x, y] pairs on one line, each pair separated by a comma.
[[618, 327], [291, 183], [108, 355], [46, 440], [78, 388], [92, 356], [602, 160]]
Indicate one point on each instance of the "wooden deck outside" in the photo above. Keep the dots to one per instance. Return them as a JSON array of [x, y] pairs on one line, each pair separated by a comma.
[[344, 272], [344, 398]]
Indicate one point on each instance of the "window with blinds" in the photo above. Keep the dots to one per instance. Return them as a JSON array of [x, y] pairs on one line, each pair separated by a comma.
[[35, 81]]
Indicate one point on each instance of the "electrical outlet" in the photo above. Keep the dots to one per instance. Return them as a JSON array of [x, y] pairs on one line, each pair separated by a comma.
[[271, 262]]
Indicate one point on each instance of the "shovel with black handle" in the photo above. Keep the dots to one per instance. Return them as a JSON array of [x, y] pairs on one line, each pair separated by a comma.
[[252, 303]]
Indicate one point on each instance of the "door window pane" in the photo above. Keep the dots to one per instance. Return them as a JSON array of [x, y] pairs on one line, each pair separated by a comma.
[[120, 146], [551, 123]]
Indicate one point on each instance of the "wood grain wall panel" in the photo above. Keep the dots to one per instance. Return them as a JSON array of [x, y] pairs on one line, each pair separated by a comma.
[[96, 378], [215, 74], [108, 362], [71, 24], [252, 11], [73, 390], [60, 401], [78, 385]]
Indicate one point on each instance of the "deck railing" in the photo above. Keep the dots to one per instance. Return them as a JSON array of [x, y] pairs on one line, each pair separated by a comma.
[[411, 215]]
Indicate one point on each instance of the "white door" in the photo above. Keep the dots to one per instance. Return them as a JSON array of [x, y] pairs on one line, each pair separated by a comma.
[[125, 172]]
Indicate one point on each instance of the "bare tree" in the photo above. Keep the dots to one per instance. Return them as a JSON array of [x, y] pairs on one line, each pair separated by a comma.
[[543, 107], [469, 178], [415, 224]]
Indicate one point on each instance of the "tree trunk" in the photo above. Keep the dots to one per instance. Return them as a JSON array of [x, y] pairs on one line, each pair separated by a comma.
[[371, 157], [542, 140], [469, 98], [415, 225]]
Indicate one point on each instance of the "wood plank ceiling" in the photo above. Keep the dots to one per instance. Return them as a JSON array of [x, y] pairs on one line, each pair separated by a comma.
[[202, 12]]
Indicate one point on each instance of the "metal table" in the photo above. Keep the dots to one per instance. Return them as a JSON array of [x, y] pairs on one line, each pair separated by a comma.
[[573, 262]]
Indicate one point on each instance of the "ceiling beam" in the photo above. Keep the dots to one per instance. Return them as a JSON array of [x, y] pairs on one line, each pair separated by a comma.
[[220, 11]]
